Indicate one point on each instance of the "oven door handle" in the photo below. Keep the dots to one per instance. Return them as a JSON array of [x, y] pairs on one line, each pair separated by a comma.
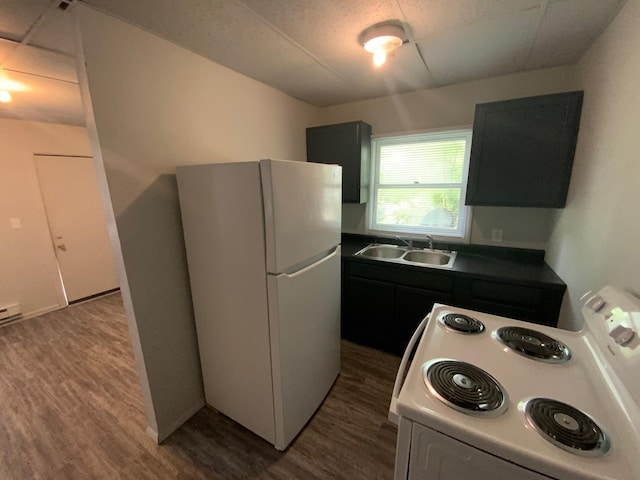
[[394, 417]]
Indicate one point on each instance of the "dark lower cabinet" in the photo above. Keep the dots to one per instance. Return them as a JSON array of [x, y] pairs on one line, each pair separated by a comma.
[[412, 305], [383, 304], [384, 314], [535, 304], [370, 306]]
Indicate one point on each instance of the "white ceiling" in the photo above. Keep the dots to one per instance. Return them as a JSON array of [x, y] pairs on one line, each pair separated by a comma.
[[306, 48]]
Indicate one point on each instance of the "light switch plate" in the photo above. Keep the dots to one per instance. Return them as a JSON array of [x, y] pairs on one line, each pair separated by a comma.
[[15, 222], [496, 235]]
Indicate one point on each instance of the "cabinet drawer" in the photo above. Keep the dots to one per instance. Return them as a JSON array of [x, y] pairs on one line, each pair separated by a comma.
[[507, 293], [403, 276]]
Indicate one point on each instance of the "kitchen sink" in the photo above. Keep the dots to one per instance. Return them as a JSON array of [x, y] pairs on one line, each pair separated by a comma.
[[433, 258], [382, 251], [424, 257]]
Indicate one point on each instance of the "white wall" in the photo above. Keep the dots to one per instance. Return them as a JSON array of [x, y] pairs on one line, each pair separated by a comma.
[[595, 240], [156, 106], [454, 106], [27, 260]]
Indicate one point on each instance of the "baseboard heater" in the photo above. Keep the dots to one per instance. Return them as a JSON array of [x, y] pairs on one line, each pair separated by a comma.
[[10, 313]]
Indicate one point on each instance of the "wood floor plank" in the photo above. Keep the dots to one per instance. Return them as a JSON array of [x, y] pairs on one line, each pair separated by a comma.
[[72, 408]]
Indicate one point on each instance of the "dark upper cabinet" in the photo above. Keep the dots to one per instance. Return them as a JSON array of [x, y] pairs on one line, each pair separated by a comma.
[[348, 145], [522, 151]]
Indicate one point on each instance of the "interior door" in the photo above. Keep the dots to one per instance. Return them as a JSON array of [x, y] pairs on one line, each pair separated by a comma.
[[77, 224]]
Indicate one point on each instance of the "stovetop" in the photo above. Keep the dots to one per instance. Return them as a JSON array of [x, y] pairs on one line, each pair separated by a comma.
[[580, 381]]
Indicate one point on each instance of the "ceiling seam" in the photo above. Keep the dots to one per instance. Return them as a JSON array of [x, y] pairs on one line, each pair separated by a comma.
[[40, 76], [31, 31], [412, 41], [17, 44], [542, 12], [296, 44]]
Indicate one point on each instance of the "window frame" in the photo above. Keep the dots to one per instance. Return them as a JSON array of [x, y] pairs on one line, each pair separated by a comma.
[[462, 233]]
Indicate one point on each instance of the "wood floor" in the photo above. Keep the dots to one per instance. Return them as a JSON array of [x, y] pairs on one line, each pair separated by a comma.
[[72, 408]]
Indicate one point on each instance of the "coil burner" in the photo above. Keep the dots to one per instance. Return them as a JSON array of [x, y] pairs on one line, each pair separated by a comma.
[[566, 427], [532, 344], [461, 323], [465, 387]]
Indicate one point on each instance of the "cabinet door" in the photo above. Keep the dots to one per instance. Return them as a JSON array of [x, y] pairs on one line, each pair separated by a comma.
[[522, 151], [412, 305], [522, 302], [370, 312], [348, 145]]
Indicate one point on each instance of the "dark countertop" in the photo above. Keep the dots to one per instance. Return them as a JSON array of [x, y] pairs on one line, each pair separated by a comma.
[[525, 267]]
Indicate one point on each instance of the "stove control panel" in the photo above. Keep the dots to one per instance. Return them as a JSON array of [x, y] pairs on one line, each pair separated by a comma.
[[613, 316]]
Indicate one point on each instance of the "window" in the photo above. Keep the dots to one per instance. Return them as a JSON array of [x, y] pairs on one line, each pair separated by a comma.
[[419, 184]]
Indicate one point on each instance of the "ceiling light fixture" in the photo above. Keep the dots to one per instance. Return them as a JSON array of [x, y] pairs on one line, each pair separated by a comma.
[[382, 39], [7, 86]]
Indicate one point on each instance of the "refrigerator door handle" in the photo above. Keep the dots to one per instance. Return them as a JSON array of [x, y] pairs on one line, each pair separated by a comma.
[[332, 253]]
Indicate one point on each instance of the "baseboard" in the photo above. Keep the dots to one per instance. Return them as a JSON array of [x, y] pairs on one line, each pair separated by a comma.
[[153, 434], [42, 311], [95, 296], [163, 433]]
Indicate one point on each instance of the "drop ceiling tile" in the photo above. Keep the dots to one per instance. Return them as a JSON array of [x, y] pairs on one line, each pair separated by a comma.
[[43, 63], [227, 32], [568, 29], [44, 95], [18, 16], [491, 48], [329, 28], [310, 48], [404, 71], [6, 47], [316, 85], [435, 17], [56, 33]]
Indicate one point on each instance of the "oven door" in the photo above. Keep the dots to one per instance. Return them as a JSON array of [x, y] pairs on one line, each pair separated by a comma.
[[437, 456]]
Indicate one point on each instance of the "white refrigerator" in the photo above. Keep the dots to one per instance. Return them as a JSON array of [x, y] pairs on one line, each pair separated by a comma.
[[263, 248]]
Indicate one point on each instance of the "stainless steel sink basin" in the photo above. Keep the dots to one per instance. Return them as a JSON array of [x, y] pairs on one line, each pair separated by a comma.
[[423, 257], [432, 258], [382, 251]]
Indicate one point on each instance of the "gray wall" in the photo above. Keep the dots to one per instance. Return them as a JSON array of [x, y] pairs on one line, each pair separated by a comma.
[[595, 238]]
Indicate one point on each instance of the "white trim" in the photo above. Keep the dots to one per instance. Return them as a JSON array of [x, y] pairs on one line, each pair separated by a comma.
[[422, 132], [42, 311], [153, 434], [463, 233]]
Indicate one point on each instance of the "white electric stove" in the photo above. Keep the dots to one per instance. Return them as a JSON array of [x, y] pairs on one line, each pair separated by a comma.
[[491, 398]]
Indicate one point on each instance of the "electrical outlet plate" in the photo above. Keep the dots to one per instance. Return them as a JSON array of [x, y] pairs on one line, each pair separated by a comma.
[[496, 235]]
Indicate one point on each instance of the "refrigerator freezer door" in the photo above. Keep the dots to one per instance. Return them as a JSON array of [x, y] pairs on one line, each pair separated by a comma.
[[303, 211], [304, 321]]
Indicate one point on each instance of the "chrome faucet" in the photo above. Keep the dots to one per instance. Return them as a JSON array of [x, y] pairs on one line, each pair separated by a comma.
[[430, 241], [407, 241]]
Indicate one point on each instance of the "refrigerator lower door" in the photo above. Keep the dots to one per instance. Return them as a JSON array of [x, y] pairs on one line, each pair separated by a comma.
[[303, 211], [304, 322]]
